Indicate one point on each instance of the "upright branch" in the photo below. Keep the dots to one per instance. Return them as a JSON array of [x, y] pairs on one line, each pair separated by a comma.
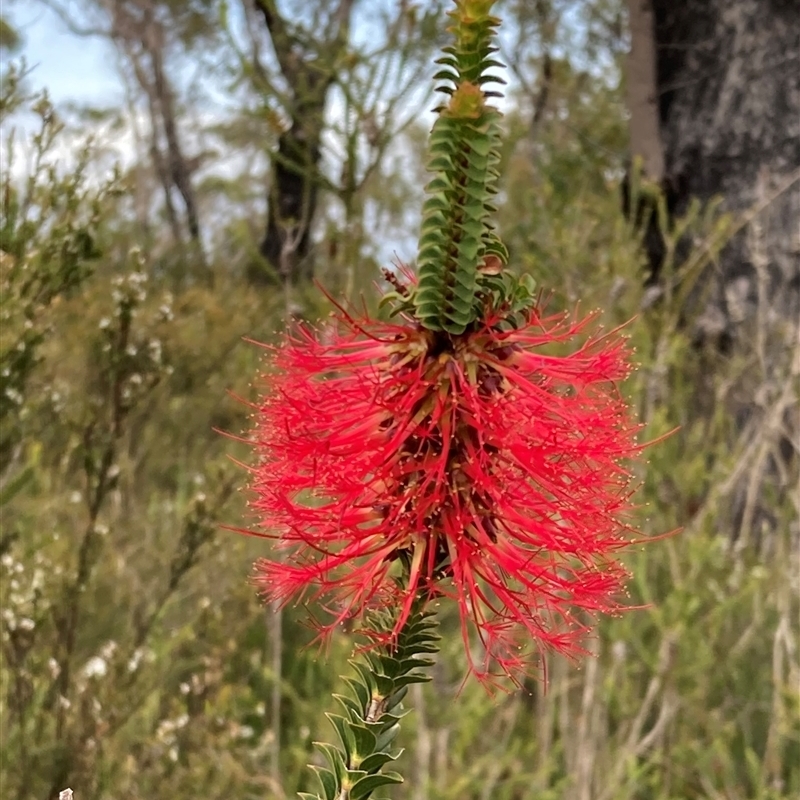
[[142, 36]]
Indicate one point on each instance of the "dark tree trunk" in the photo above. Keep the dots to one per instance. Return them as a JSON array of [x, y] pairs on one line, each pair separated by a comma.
[[309, 69], [728, 86], [295, 181], [728, 78]]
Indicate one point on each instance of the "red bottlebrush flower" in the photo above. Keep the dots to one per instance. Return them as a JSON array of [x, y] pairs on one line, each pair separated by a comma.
[[481, 467]]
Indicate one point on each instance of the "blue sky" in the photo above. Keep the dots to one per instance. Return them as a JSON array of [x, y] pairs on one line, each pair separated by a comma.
[[71, 68]]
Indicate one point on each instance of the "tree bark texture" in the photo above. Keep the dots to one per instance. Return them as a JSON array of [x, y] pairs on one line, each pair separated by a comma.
[[728, 76], [642, 91]]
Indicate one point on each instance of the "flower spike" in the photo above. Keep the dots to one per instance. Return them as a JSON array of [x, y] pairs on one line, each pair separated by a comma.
[[472, 449], [491, 472]]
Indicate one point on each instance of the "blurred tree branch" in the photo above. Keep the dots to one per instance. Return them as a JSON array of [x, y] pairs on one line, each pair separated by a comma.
[[142, 30]]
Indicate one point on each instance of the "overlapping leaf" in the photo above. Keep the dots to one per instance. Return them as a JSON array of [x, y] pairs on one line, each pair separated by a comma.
[[456, 234]]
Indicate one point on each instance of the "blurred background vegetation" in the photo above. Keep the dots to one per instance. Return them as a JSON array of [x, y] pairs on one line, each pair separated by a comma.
[[137, 661]]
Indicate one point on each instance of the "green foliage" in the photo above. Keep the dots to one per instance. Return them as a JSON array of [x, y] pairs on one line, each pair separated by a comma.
[[48, 229], [9, 36]]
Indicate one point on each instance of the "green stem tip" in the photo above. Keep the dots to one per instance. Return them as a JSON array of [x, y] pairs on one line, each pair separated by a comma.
[[456, 235]]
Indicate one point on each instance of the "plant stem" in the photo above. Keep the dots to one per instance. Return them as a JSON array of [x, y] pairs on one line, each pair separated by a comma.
[[373, 708]]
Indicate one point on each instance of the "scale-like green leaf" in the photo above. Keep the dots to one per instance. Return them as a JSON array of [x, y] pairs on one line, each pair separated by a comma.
[[335, 759], [345, 733], [330, 786], [369, 783], [377, 760]]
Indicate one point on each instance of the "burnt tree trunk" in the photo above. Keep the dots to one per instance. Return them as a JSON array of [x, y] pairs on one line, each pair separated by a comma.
[[294, 185], [728, 83], [309, 70]]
